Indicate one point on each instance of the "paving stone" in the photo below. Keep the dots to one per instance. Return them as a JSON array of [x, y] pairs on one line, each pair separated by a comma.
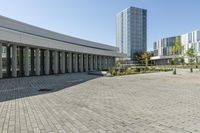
[[150, 103]]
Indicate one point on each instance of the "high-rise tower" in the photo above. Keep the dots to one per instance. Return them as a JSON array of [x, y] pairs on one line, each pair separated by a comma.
[[131, 28]]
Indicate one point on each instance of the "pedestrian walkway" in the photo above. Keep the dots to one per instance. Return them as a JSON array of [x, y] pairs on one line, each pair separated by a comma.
[[145, 103]]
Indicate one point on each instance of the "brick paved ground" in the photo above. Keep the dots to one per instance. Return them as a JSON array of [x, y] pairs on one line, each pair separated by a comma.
[[147, 103]]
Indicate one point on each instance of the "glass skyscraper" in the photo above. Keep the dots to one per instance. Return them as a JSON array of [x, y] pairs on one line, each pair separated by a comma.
[[131, 31]]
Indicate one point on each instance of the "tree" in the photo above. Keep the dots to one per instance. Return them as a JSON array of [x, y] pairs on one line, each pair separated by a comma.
[[176, 51], [138, 56], [181, 59], [191, 57], [146, 57]]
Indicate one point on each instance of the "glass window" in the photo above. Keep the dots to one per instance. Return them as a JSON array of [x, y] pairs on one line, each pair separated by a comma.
[[189, 37], [199, 47], [198, 35]]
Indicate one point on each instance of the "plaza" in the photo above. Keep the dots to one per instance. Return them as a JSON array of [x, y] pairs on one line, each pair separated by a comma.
[[85, 103]]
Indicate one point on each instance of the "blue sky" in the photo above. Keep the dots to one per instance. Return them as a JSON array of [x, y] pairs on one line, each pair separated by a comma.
[[95, 19]]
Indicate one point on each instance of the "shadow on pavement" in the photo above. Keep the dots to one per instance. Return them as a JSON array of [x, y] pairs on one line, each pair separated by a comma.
[[29, 86]]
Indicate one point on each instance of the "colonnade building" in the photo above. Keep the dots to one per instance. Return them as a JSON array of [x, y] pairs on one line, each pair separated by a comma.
[[26, 50]]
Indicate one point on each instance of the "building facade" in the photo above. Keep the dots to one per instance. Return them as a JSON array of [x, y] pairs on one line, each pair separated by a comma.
[[26, 50], [163, 55], [189, 40], [131, 31]]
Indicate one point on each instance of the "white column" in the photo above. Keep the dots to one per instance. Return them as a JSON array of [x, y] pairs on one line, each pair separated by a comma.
[[91, 62], [14, 61], [26, 61], [63, 62], [69, 62], [1, 50], [55, 62], [86, 63], [81, 63], [46, 60], [37, 61], [75, 62]]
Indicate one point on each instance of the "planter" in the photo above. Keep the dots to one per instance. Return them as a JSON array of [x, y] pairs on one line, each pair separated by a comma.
[[191, 70], [174, 71]]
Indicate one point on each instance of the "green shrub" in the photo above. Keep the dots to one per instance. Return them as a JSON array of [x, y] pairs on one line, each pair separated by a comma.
[[120, 70], [114, 72]]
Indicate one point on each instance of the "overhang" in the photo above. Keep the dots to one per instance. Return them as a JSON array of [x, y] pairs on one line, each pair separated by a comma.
[[13, 31]]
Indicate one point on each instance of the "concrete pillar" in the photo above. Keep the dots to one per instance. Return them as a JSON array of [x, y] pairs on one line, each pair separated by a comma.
[[81, 63], [106, 62], [8, 65], [37, 61], [113, 61], [14, 61], [41, 61], [69, 62], [91, 62], [100, 63], [109, 62], [75, 62], [59, 62], [1, 51], [86, 63], [46, 60], [110, 65], [26, 61], [51, 62], [66, 60], [21, 61], [32, 62], [55, 62], [63, 62], [95, 62]]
